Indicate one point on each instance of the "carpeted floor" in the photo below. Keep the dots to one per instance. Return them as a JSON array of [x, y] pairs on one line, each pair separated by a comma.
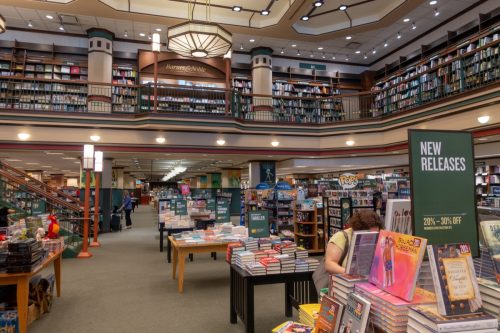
[[127, 287]]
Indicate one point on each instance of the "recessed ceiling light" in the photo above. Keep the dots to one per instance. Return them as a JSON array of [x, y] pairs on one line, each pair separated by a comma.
[[95, 137], [241, 46], [33, 163], [52, 153], [398, 35], [318, 3], [483, 119], [252, 40], [50, 17], [142, 34], [346, 59], [406, 20], [365, 57], [264, 12], [46, 166], [221, 142], [149, 36], [298, 52], [61, 27], [125, 34], [433, 2], [282, 51], [76, 162], [374, 51], [158, 29], [348, 37], [294, 45], [23, 136], [30, 24], [413, 26], [320, 48], [333, 58], [386, 44], [312, 55], [350, 142], [160, 140], [342, 7], [237, 8], [275, 143], [323, 56], [301, 166], [305, 18], [358, 52], [69, 158], [436, 12]]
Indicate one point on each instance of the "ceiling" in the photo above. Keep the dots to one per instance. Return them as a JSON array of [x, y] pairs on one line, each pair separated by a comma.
[[371, 23]]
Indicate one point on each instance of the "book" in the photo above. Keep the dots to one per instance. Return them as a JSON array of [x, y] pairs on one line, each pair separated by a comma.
[[329, 315], [355, 316], [396, 263], [428, 315], [398, 216], [292, 327], [308, 313], [361, 250], [491, 236], [455, 282]]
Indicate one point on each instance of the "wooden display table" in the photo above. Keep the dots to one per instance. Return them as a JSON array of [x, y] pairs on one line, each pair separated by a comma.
[[181, 249], [22, 280], [299, 289]]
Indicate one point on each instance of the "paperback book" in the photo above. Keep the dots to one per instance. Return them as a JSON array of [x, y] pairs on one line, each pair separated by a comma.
[[292, 327], [455, 283], [396, 263], [491, 237], [329, 315], [361, 251], [355, 316]]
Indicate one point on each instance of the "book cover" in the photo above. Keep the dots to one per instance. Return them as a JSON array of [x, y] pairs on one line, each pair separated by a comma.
[[361, 250], [329, 315], [454, 277], [355, 316], [397, 262], [398, 216], [491, 237], [292, 327]]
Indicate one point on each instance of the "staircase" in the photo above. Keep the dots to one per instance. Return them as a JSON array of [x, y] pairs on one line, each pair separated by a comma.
[[30, 197]]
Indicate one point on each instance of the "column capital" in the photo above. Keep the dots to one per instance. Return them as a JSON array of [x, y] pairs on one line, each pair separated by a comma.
[[100, 33]]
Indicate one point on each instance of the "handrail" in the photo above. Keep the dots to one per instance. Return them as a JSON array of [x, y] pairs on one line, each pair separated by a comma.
[[47, 187], [39, 191]]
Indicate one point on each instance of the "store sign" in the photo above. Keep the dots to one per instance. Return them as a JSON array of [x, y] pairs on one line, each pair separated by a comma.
[[185, 189], [258, 223], [442, 187], [211, 204], [305, 65], [348, 181], [366, 183], [181, 207], [222, 213]]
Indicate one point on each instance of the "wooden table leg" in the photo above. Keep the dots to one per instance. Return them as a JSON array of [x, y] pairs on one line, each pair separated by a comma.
[[174, 262], [182, 262], [249, 306], [169, 249], [232, 294], [22, 302], [161, 237], [57, 273], [288, 299]]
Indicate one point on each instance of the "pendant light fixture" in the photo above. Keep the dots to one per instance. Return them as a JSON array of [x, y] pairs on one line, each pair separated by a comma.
[[199, 39]]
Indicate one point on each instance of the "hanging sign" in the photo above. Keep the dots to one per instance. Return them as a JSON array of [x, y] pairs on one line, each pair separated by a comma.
[[258, 223], [211, 204], [222, 213], [442, 187], [348, 180], [180, 207]]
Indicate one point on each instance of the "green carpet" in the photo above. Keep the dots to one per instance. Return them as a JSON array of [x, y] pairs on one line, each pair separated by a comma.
[[127, 286]]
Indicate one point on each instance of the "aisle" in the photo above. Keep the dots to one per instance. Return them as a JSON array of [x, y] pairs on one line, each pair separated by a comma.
[[127, 287]]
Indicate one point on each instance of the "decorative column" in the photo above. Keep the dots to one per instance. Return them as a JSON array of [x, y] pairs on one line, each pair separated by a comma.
[[262, 80], [100, 69]]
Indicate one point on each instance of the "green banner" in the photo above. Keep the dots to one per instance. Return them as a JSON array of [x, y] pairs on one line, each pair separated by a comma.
[[442, 187], [211, 204], [222, 213], [258, 223], [216, 180], [181, 207]]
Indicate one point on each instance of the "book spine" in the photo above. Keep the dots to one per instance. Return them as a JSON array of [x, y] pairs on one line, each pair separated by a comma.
[[435, 278], [468, 326], [419, 264]]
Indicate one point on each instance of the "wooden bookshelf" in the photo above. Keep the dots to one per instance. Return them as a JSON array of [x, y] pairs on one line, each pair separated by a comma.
[[487, 180], [124, 90], [306, 229]]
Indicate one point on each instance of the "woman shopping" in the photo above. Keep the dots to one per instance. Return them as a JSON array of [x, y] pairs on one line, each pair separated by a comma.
[[127, 207]]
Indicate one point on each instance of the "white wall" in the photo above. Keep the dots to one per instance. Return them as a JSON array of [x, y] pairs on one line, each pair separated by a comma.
[[440, 32], [44, 38]]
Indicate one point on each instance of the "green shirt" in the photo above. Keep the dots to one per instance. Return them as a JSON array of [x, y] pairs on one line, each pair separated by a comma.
[[339, 239]]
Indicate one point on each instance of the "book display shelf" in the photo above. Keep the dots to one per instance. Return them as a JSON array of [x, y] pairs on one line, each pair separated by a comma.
[[280, 206], [488, 184], [306, 228], [464, 62], [124, 91]]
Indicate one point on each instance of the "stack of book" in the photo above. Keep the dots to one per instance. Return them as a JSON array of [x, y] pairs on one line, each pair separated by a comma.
[[265, 243], [244, 258], [256, 268], [286, 247], [259, 254], [426, 319], [312, 263], [24, 255], [301, 253], [389, 312], [490, 294], [271, 253], [271, 264], [232, 250], [287, 263], [308, 313], [484, 265], [342, 285], [301, 265], [292, 327], [425, 277], [251, 244]]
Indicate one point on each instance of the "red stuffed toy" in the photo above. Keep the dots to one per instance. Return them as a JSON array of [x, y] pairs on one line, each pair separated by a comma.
[[53, 228]]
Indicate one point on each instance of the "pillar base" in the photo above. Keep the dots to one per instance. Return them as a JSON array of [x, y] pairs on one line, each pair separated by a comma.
[[95, 244], [84, 255]]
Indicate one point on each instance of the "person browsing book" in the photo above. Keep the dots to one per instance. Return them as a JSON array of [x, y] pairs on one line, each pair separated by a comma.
[[336, 251], [127, 207]]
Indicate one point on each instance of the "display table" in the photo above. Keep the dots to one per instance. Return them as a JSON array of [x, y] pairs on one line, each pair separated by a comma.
[[22, 280], [181, 249], [170, 231], [299, 289]]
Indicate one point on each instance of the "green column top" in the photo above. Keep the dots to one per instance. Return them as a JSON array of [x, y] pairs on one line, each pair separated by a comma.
[[98, 32], [261, 50]]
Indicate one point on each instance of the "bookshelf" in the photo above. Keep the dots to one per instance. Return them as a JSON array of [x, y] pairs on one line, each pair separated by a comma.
[[280, 206], [306, 228], [487, 180], [434, 74], [124, 90]]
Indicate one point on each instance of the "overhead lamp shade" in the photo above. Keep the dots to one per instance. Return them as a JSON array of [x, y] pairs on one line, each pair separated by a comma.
[[156, 44], [2, 25], [88, 157], [98, 164], [199, 39]]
